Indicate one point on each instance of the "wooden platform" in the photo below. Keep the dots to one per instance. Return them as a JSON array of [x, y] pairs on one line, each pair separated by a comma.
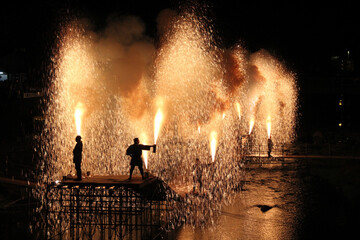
[[108, 181], [151, 187]]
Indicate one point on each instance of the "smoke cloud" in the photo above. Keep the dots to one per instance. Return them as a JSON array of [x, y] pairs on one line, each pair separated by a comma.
[[124, 55]]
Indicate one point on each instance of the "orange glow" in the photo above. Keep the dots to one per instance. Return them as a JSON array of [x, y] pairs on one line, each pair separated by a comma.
[[213, 144], [157, 124], [79, 112], [268, 123]]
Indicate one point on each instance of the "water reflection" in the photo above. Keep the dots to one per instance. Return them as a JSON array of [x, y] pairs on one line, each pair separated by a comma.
[[285, 201], [267, 208]]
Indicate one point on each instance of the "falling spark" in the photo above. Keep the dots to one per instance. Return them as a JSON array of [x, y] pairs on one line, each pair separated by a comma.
[[268, 123], [157, 124], [213, 143], [252, 113], [79, 112]]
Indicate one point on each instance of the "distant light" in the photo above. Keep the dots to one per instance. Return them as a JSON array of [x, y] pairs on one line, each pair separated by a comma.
[[340, 124], [340, 102], [57, 181], [3, 76]]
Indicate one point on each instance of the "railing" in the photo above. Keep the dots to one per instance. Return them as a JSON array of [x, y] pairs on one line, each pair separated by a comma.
[[323, 149]]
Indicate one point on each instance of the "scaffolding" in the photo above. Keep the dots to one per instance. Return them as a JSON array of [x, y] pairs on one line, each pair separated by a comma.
[[96, 211]]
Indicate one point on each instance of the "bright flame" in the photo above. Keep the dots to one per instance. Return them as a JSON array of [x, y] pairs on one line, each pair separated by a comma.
[[145, 153], [79, 112], [157, 124], [268, 123], [237, 105], [223, 116], [251, 125], [213, 143]]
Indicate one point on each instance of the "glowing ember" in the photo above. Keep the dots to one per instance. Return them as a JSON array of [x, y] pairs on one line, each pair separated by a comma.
[[157, 124], [268, 124], [213, 144], [79, 112]]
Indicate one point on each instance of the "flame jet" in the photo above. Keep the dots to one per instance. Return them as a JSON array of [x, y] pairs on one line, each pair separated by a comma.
[[268, 124], [213, 144], [238, 109], [157, 124], [145, 153]]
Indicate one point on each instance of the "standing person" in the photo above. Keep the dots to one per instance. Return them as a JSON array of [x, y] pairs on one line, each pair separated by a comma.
[[135, 152], [197, 175], [270, 146], [198, 169], [77, 152]]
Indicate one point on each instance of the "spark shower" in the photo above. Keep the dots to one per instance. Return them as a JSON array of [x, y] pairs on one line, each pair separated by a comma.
[[112, 85]]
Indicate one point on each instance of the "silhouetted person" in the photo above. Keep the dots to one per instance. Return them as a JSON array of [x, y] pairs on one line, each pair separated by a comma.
[[270, 146], [78, 156], [197, 174], [135, 152]]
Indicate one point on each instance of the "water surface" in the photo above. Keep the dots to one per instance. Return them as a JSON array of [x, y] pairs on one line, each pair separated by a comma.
[[298, 199]]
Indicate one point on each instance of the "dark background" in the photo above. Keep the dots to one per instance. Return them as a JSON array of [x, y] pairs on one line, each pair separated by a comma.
[[295, 30]]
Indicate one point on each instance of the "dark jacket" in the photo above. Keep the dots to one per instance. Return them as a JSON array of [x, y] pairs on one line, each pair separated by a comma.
[[135, 151], [77, 152]]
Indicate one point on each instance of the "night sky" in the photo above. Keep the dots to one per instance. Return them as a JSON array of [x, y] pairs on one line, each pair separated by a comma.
[[299, 32]]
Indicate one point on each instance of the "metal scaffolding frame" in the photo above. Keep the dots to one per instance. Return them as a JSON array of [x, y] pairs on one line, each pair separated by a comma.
[[102, 212]]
